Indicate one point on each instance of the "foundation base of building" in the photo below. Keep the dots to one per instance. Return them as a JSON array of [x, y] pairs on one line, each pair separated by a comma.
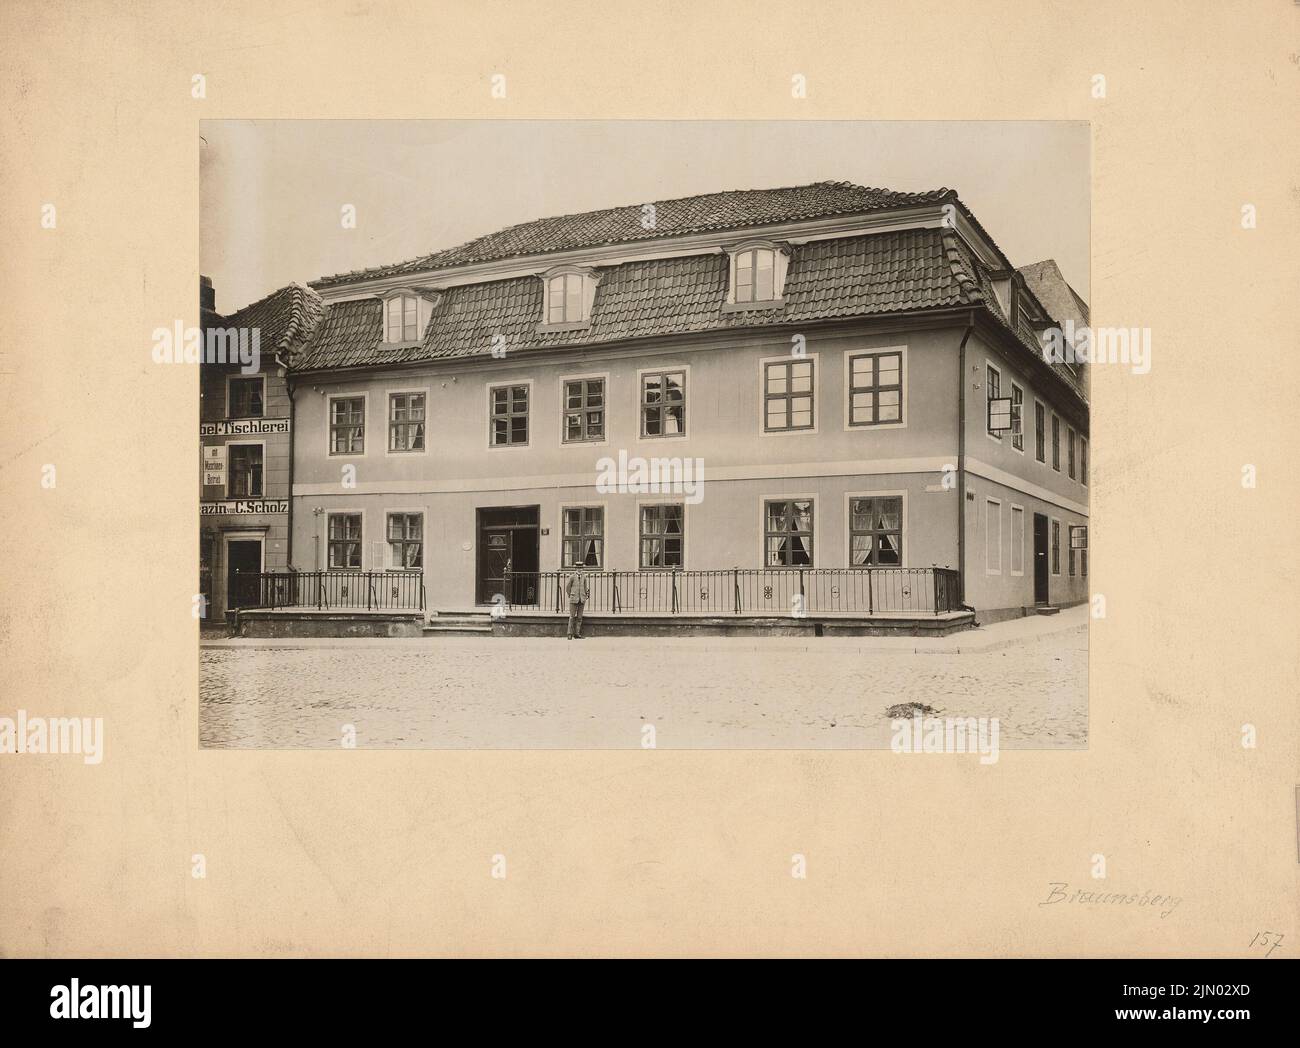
[[308, 622], [540, 624]]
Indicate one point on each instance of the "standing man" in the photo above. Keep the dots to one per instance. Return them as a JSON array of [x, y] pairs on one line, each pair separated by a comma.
[[577, 589]]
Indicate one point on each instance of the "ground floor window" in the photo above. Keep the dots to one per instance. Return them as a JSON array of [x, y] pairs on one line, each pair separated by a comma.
[[662, 536], [788, 533], [405, 540], [345, 540], [584, 536], [876, 531], [1056, 547]]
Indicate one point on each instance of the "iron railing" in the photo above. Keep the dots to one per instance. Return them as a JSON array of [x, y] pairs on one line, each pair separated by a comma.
[[372, 590], [746, 591]]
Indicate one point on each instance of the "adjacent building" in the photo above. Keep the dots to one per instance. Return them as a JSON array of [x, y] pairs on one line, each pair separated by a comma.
[[858, 370], [245, 433]]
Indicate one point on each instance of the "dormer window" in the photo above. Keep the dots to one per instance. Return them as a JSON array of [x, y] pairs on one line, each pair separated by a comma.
[[757, 275], [405, 317], [569, 293]]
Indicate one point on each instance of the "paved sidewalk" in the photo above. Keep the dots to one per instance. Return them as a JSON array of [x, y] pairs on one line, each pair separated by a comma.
[[985, 638]]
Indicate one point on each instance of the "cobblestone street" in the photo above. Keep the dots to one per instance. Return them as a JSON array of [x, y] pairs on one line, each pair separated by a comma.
[[502, 693]]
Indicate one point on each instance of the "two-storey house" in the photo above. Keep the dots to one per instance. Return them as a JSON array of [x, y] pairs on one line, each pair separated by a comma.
[[858, 370]]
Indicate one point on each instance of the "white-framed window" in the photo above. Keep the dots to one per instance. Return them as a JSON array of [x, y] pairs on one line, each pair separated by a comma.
[[788, 533], [992, 536], [568, 298], [876, 388], [407, 420], [586, 402], [992, 391], [757, 275], [404, 534], [1017, 540], [347, 424], [662, 535], [582, 536], [343, 541], [508, 405], [876, 526], [1017, 420], [789, 394], [661, 402], [406, 315]]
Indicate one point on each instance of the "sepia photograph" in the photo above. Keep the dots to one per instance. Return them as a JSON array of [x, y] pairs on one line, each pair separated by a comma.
[[803, 462], [676, 481]]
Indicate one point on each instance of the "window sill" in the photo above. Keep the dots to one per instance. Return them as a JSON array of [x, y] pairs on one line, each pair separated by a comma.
[[749, 307], [413, 343]]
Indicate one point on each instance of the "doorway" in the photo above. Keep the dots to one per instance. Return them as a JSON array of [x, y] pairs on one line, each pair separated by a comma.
[[243, 564], [508, 557], [1040, 559]]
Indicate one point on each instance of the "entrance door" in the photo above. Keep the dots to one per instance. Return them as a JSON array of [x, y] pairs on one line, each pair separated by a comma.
[[243, 563], [508, 554], [1040, 559]]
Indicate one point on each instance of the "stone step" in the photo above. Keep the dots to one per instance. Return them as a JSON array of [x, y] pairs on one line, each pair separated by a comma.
[[1046, 609], [457, 627]]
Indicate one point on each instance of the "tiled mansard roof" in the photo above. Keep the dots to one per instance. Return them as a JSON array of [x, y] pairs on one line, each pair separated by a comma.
[[867, 275], [710, 212], [827, 279]]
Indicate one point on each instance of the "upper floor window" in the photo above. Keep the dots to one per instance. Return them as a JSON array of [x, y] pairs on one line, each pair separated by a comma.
[[406, 422], [404, 317], [509, 406], [347, 425], [584, 409], [569, 295], [1040, 432], [993, 386], [1083, 462], [245, 471], [757, 274], [875, 388], [788, 395], [663, 404], [246, 397], [1056, 443], [1017, 411], [1069, 448]]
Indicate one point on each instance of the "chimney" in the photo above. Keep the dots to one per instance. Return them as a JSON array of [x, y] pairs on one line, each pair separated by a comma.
[[207, 296]]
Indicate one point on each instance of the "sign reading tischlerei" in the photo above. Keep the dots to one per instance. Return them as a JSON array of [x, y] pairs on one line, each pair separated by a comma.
[[243, 427], [214, 465]]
